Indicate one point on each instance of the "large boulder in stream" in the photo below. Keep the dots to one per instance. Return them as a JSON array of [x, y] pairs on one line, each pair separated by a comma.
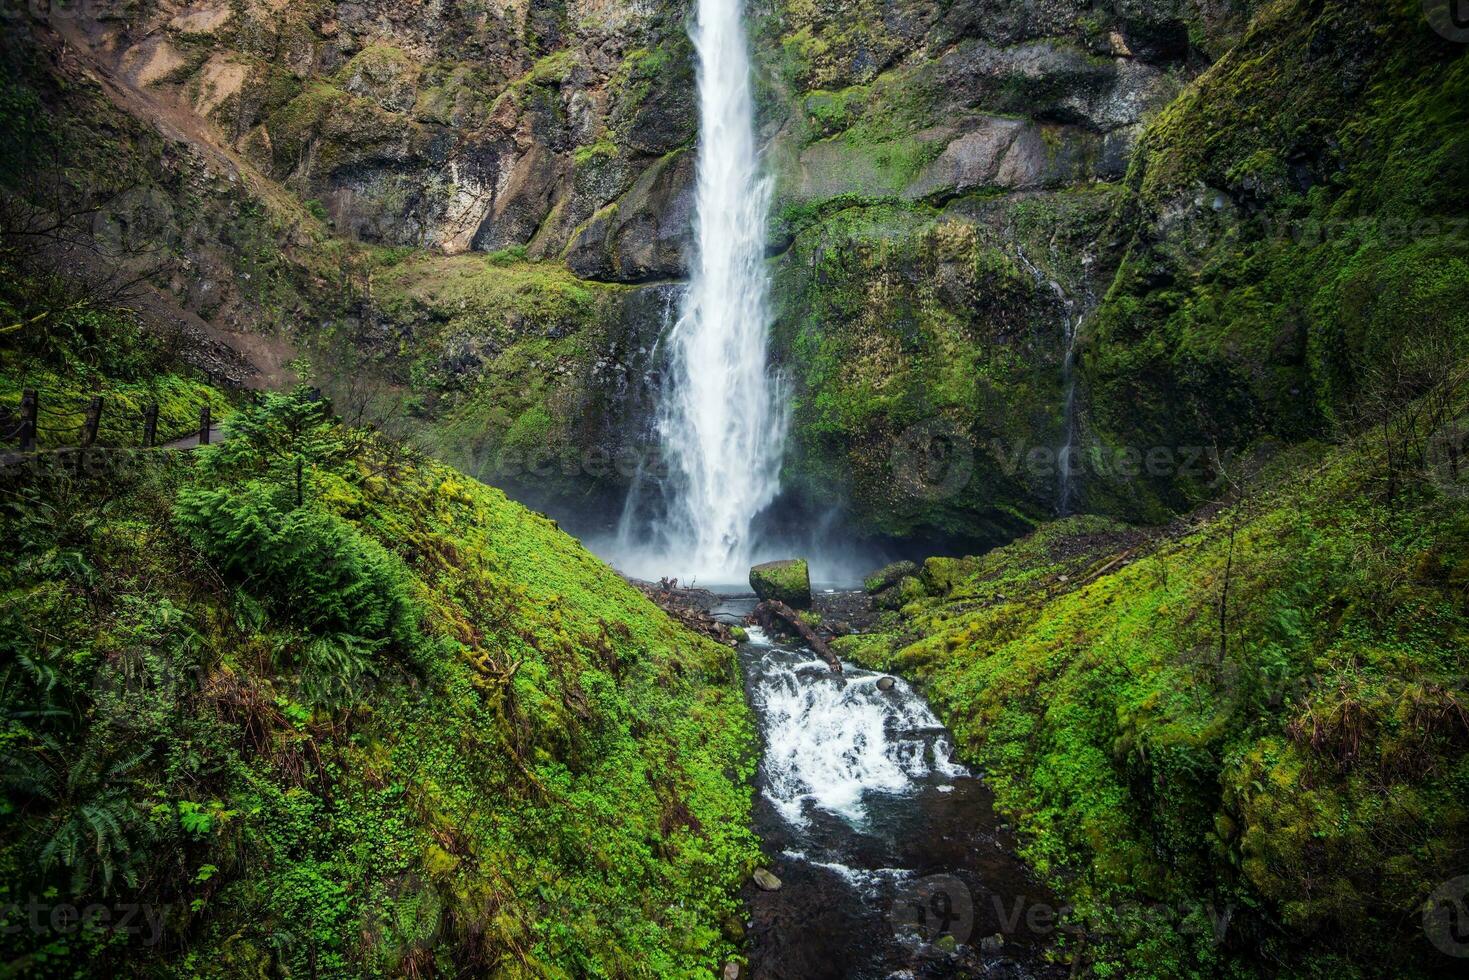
[[787, 581]]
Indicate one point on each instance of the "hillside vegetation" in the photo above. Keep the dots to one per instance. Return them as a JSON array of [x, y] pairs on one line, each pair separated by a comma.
[[1239, 744], [323, 707]]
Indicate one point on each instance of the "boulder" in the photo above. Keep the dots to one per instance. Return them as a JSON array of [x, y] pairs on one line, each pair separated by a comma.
[[886, 683], [888, 575], [787, 581], [908, 589], [766, 881], [941, 575]]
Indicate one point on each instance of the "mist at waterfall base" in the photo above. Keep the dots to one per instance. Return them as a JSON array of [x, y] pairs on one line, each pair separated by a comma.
[[789, 527]]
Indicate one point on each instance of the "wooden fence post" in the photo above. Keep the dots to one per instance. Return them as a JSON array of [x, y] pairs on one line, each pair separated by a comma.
[[150, 425], [94, 417], [204, 426], [29, 405]]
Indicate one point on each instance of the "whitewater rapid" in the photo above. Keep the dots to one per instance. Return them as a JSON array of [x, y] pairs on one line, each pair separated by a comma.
[[832, 741], [891, 860]]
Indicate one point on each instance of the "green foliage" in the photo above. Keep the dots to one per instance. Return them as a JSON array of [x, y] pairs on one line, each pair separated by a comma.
[[1251, 722], [314, 568], [395, 724]]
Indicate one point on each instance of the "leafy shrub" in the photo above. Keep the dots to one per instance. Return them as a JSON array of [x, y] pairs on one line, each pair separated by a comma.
[[312, 567]]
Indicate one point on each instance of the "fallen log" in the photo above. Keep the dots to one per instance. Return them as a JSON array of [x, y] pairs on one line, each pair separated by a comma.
[[689, 606], [771, 610]]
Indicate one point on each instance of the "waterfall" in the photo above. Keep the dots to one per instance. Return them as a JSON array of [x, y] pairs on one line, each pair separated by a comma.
[[1066, 465], [720, 421]]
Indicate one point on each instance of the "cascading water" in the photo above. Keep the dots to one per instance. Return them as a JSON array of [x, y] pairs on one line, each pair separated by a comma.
[[1067, 466], [881, 841], [829, 742], [1065, 463], [720, 420]]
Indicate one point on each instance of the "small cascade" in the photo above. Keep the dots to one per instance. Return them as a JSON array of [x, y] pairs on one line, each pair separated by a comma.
[[830, 740], [891, 860]]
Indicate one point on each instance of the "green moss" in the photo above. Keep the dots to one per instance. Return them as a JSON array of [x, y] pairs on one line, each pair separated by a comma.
[[920, 345], [603, 149], [1304, 178], [907, 589], [501, 351], [550, 69], [1270, 768], [787, 581], [544, 758]]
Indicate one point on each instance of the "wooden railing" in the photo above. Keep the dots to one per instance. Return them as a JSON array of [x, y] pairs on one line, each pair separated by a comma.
[[98, 427]]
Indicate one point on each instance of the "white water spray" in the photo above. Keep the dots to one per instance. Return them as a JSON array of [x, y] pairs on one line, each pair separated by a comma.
[[720, 421], [829, 742]]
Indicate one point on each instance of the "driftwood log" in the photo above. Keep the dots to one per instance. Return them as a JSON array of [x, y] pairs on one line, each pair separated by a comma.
[[689, 606], [772, 610]]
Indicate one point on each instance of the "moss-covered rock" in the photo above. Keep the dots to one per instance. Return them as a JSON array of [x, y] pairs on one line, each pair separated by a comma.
[[787, 581], [908, 588], [888, 575], [941, 575], [926, 351], [1272, 256]]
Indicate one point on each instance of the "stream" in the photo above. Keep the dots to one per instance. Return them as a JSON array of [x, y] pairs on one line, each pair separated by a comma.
[[891, 858]]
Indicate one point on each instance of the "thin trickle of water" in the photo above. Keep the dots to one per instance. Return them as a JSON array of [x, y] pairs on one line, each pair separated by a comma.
[[1065, 465], [720, 421]]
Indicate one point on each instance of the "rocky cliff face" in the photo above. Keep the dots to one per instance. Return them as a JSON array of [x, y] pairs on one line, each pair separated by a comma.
[[450, 127], [945, 175], [1000, 227]]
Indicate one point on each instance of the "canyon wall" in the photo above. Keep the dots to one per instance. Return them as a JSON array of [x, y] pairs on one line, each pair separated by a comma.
[[481, 212]]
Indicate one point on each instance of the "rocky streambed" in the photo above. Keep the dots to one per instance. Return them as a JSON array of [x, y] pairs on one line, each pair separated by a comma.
[[887, 857]]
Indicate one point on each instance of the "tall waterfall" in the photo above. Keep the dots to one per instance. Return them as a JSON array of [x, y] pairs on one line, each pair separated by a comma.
[[720, 421]]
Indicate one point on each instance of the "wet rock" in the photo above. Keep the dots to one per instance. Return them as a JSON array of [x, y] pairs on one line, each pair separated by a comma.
[[731, 971], [888, 575], [992, 944], [908, 589], [886, 683], [787, 581], [766, 881], [645, 234]]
